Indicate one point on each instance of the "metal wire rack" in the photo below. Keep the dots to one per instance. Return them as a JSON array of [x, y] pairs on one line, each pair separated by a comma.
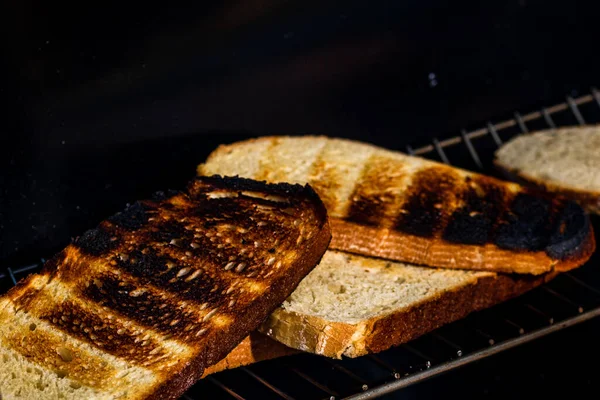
[[567, 300]]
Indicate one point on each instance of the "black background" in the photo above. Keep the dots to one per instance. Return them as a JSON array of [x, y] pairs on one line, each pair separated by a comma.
[[107, 102]]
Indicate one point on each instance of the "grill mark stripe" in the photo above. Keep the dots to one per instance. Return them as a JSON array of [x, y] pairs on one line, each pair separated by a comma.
[[102, 333], [430, 199], [263, 171], [39, 348], [476, 220], [334, 178], [140, 305], [324, 178], [378, 194], [153, 269]]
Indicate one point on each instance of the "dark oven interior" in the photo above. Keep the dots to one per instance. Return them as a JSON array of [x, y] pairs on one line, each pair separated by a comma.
[[124, 100]]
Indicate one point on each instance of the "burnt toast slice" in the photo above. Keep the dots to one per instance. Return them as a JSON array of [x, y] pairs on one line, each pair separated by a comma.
[[141, 305], [387, 204]]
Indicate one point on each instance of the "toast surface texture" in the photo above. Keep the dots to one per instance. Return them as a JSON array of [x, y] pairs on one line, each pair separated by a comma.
[[140, 306], [390, 205], [353, 305], [564, 161]]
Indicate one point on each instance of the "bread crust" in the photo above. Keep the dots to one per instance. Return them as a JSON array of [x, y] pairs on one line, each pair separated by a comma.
[[256, 347], [395, 245], [334, 339], [588, 199]]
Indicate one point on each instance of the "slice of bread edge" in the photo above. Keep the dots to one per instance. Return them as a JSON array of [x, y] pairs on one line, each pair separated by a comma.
[[336, 339]]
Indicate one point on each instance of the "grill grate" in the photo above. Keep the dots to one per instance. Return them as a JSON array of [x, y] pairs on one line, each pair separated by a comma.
[[570, 298]]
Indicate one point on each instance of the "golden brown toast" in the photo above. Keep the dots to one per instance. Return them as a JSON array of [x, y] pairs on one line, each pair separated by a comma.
[[140, 306], [390, 205]]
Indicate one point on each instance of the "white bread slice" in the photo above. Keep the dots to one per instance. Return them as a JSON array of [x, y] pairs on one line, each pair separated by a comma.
[[565, 161], [390, 205], [352, 305]]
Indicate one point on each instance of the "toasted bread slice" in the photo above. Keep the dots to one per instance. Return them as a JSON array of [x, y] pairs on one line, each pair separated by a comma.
[[564, 161], [353, 305], [141, 305], [387, 204]]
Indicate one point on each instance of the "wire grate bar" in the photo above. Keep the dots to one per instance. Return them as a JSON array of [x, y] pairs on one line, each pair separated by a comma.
[[521, 123], [346, 371], [596, 95], [423, 150], [575, 110], [418, 353], [381, 363], [492, 130], [440, 151], [224, 388], [563, 298], [548, 119], [12, 276], [447, 341], [267, 384], [310, 380], [520, 329], [581, 283], [486, 335], [471, 149], [26, 268], [540, 313]]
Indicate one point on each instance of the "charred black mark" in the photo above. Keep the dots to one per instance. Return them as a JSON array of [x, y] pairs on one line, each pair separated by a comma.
[[366, 209], [468, 227], [371, 198], [133, 217], [223, 209], [162, 271], [232, 211], [527, 225], [139, 305], [474, 222], [570, 230], [101, 332], [167, 230], [144, 263], [293, 193], [96, 241], [424, 210], [52, 264]]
